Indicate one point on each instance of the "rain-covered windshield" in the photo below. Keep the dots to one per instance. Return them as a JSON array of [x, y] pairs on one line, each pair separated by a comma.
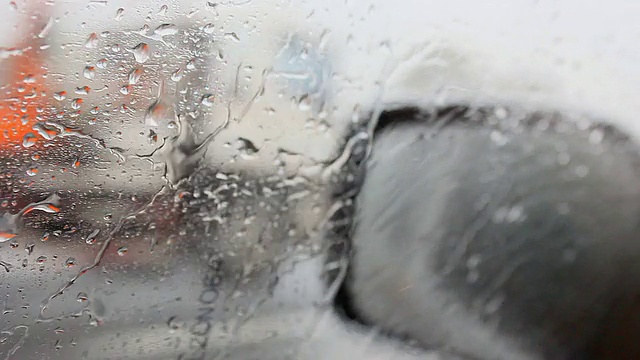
[[180, 179]]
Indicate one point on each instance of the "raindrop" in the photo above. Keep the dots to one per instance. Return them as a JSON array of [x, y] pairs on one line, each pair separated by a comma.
[[596, 136], [304, 104], [163, 10], [29, 140], [563, 158], [76, 103], [141, 53], [134, 76], [246, 147], [70, 262], [46, 207], [41, 259], [32, 172], [191, 64], [498, 138], [82, 297], [207, 100], [182, 153], [89, 72], [177, 75], [209, 28], [174, 323], [115, 48], [102, 63], [45, 132], [122, 250], [60, 95], [6, 236], [165, 30], [582, 171], [125, 90], [152, 137], [233, 36], [472, 276], [83, 90], [158, 110], [91, 238], [92, 41], [46, 28], [493, 305], [119, 14]]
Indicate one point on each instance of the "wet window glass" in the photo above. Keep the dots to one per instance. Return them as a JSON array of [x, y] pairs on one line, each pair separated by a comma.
[[319, 180]]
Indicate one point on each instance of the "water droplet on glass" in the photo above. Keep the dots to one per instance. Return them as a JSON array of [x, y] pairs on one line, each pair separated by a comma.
[[122, 251], [41, 259], [304, 104], [191, 64], [563, 158], [582, 171], [119, 14], [163, 10], [209, 28], [76, 103], [89, 72], [102, 63], [166, 30], [141, 53], [125, 90], [29, 140], [115, 48], [134, 76], [70, 262], [596, 136], [46, 28], [45, 207], [82, 297], [83, 90], [45, 131], [92, 41], [158, 110], [177, 75], [60, 95], [32, 172], [246, 147], [493, 305], [174, 323], [91, 238], [233, 36], [207, 100], [4, 236]]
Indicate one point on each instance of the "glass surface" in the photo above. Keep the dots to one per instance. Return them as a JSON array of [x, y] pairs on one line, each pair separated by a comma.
[[173, 173]]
